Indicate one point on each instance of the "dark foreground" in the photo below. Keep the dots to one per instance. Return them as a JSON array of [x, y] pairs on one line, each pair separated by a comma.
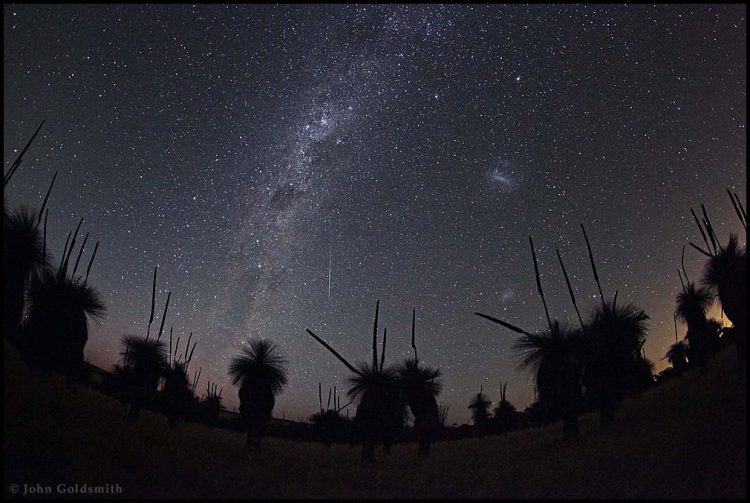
[[684, 439]]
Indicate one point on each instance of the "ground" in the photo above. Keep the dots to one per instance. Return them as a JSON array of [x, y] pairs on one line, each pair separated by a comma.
[[685, 438]]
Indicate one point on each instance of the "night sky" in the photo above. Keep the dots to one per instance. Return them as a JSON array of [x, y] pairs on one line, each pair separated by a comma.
[[404, 152]]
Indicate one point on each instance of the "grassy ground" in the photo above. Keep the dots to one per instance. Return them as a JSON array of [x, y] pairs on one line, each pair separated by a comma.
[[686, 438]]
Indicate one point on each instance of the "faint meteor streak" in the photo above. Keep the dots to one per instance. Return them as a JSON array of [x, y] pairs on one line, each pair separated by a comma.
[[330, 261]]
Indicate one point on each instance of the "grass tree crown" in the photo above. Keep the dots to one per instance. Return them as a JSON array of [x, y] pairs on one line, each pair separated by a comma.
[[259, 361]]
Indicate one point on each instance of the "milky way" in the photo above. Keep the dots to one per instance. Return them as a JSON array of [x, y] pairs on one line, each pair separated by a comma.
[[288, 166]]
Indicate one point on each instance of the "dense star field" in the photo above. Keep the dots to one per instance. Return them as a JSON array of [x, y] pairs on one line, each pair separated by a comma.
[[287, 166]]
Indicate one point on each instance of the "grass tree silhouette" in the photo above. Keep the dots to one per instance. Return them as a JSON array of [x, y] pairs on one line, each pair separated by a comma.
[[144, 363], [611, 352], [59, 305], [420, 388], [480, 412], [693, 304], [725, 272], [260, 373], [56, 328], [23, 256], [552, 357], [677, 356], [505, 415], [534, 416], [210, 405], [381, 409], [643, 374], [328, 424], [23, 249], [177, 398]]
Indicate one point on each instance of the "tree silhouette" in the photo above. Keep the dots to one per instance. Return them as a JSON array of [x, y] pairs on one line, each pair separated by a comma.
[[380, 407], [261, 375], [23, 249], [534, 416], [692, 305], [210, 404], [177, 397], [328, 424], [643, 374], [611, 352], [504, 417], [480, 415], [144, 362], [23, 256], [725, 272], [552, 356], [677, 356], [56, 328], [420, 389]]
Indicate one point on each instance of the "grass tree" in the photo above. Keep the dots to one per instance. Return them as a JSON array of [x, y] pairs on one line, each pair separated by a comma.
[[612, 356], [328, 424], [611, 350], [24, 255], [420, 387], [693, 304], [260, 373], [59, 307], [552, 355], [177, 397], [480, 412], [504, 417], [677, 354], [643, 374], [144, 362], [210, 404], [23, 252], [725, 271], [380, 407]]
